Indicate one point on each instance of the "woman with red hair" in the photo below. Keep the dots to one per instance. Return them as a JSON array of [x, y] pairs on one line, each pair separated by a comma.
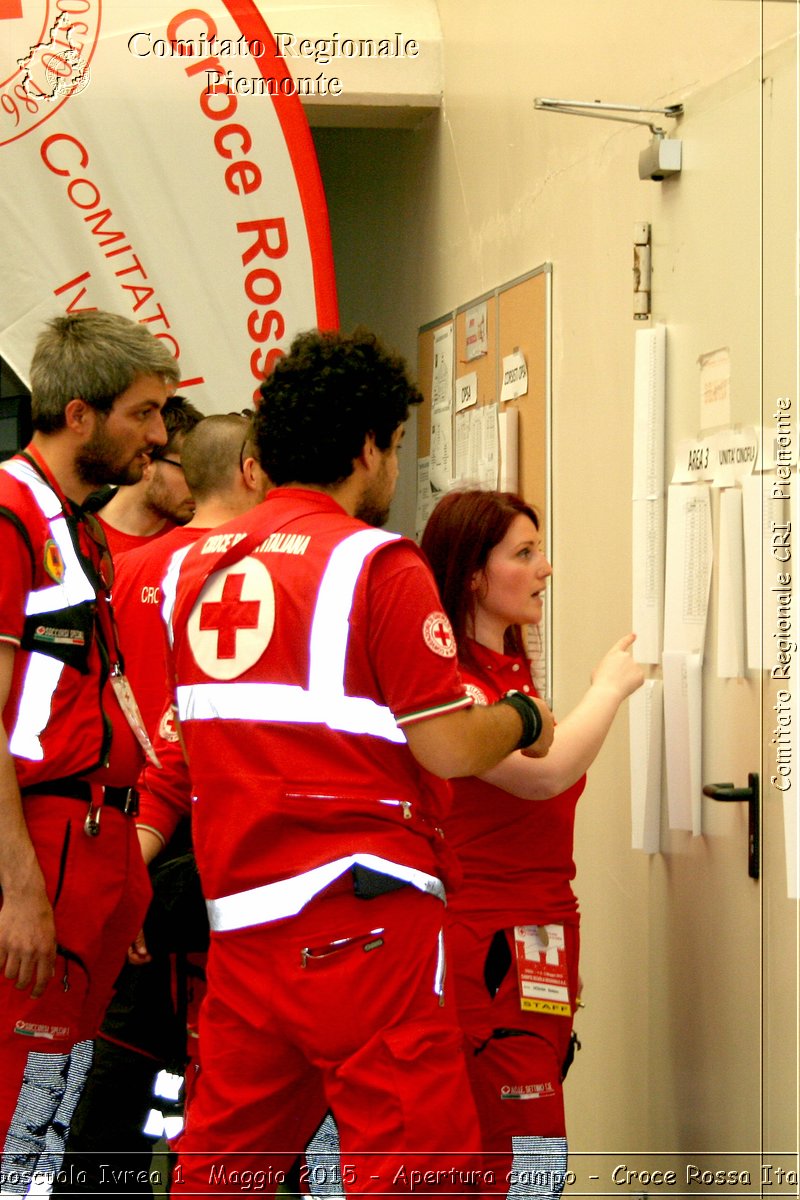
[[514, 923]]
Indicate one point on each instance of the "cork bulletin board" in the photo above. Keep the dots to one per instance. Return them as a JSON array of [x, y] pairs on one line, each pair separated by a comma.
[[517, 328]]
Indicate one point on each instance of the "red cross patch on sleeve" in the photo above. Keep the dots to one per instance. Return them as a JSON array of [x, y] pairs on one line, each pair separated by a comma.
[[438, 634]]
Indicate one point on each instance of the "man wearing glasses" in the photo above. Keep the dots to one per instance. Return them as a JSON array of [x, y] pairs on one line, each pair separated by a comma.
[[161, 499], [74, 889]]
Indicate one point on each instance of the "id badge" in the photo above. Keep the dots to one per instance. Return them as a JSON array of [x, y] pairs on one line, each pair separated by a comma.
[[542, 978], [127, 702]]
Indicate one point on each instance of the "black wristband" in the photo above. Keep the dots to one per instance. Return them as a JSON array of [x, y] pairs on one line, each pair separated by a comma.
[[531, 717]]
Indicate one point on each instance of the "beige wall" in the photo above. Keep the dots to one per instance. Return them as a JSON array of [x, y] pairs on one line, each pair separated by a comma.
[[675, 945]]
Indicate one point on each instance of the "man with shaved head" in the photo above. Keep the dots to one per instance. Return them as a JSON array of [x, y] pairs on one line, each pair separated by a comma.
[[142, 1032]]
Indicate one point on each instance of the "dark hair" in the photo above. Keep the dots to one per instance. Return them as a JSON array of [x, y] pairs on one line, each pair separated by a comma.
[[180, 417], [460, 534], [212, 453], [92, 356], [323, 399]]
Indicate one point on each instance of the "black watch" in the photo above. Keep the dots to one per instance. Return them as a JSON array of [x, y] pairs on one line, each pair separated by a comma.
[[531, 717]]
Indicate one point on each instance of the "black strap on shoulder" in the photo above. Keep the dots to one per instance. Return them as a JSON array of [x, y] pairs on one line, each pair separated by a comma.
[[9, 515]]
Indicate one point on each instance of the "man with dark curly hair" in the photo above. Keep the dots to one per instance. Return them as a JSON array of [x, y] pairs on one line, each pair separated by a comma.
[[322, 711]]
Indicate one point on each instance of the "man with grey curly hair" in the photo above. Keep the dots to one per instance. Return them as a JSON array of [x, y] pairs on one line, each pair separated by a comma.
[[74, 888]]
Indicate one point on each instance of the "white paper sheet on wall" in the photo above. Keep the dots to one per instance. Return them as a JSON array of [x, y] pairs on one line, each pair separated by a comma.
[[648, 492], [688, 567], [515, 376], [466, 391], [474, 444], [424, 495], [441, 452], [722, 458], [489, 461], [648, 579], [645, 714], [730, 593], [683, 738], [715, 388], [476, 321], [694, 461], [477, 449], [461, 473], [649, 377], [688, 582], [735, 452]]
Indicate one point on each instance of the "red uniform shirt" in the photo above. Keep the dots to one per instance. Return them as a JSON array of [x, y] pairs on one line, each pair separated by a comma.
[[516, 855], [124, 543], [291, 769], [137, 605], [165, 792]]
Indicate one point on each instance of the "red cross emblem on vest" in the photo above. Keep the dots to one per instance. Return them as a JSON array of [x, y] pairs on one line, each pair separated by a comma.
[[232, 621], [228, 615]]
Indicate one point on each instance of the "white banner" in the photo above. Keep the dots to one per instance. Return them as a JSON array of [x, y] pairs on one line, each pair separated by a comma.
[[156, 162]]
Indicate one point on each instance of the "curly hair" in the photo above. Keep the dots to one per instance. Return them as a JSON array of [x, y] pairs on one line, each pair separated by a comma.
[[94, 356], [322, 400], [460, 534]]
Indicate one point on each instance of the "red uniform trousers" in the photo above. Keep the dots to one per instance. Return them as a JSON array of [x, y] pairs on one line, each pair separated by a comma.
[[333, 1008], [99, 889], [509, 1049]]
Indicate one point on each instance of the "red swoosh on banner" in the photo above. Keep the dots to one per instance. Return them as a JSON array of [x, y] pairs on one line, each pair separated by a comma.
[[301, 149]]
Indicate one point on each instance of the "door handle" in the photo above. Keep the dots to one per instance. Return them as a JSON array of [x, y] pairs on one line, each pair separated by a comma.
[[727, 792]]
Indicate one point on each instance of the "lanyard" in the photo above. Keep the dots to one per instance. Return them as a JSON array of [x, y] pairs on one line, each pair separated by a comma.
[[92, 549]]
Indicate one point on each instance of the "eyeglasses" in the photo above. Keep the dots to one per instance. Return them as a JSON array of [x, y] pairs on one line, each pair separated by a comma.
[[173, 462]]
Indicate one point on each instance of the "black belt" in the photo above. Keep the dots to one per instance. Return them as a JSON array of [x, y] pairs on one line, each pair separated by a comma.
[[124, 799]]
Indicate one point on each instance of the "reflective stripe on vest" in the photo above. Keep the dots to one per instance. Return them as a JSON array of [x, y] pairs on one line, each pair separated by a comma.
[[43, 673], [287, 897], [35, 706], [168, 587], [324, 702], [441, 967], [75, 587]]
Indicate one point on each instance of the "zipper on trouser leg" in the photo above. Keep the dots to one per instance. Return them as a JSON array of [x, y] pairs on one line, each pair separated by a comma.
[[368, 941]]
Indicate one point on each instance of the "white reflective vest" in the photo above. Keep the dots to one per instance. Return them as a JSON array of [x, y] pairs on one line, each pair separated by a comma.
[[42, 672], [323, 701]]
